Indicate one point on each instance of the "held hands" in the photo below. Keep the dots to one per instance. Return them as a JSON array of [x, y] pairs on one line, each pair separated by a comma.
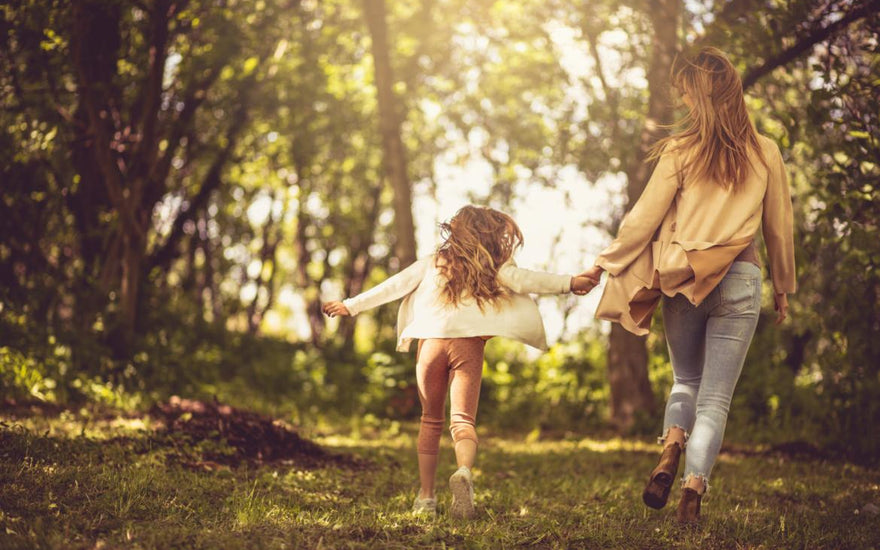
[[335, 308], [582, 285], [585, 282]]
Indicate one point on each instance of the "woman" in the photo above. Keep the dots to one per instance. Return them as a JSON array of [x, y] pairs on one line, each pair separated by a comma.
[[690, 239]]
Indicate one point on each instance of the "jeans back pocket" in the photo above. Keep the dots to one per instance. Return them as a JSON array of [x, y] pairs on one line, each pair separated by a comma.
[[740, 292]]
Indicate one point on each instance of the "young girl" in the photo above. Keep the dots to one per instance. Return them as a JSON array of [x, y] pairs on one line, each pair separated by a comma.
[[455, 300]]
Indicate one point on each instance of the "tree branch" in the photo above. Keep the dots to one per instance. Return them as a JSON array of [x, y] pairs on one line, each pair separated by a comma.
[[167, 251], [195, 95], [95, 47], [145, 114], [806, 43], [611, 95]]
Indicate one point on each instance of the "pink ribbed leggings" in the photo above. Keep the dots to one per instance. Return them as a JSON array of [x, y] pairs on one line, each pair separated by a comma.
[[456, 365]]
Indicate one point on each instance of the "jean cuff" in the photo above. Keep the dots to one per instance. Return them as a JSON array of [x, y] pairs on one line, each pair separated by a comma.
[[703, 477], [662, 439]]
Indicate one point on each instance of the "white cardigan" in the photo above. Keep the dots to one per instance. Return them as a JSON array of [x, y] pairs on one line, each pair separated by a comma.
[[423, 313]]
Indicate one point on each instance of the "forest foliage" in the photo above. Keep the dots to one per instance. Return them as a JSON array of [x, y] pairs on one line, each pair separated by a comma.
[[183, 181]]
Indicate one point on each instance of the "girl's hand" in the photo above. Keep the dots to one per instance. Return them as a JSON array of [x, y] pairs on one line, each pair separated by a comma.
[[335, 308], [581, 285], [780, 304]]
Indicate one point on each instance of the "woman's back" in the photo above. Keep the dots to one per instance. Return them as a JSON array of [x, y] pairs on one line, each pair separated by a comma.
[[708, 212]]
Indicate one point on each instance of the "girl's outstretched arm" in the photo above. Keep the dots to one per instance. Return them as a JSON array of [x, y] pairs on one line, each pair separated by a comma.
[[526, 281], [392, 288]]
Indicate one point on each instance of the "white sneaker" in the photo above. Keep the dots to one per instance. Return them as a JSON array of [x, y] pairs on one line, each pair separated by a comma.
[[424, 507], [461, 483]]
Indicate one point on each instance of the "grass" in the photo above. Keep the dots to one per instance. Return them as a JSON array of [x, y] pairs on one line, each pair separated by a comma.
[[75, 482]]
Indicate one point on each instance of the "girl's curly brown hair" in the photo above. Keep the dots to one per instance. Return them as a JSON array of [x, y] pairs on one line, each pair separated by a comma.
[[477, 241]]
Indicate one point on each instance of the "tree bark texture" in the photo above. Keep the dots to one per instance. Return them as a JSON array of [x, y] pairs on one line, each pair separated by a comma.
[[95, 44], [389, 126], [631, 392]]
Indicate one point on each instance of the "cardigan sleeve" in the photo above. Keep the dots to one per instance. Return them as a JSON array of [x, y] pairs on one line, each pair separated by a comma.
[[525, 281], [396, 286], [778, 226], [641, 223]]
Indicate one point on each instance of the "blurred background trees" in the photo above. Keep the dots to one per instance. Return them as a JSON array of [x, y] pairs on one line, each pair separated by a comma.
[[183, 181]]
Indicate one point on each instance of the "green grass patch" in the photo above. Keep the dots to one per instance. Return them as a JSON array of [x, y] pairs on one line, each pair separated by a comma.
[[71, 481]]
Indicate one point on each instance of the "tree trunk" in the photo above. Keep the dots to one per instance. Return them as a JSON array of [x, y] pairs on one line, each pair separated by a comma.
[[129, 290], [628, 377], [627, 354], [389, 125], [96, 41]]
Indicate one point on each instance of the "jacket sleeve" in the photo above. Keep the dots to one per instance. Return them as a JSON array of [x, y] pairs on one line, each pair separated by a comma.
[[778, 227], [525, 281], [392, 288], [640, 224]]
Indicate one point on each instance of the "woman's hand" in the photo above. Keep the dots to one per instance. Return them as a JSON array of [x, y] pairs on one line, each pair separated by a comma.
[[781, 306], [594, 273], [335, 308], [581, 285]]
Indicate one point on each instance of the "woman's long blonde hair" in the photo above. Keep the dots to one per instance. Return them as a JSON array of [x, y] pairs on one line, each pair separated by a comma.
[[717, 129], [476, 243]]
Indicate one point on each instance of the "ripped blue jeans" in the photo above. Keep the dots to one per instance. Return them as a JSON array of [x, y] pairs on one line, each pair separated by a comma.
[[707, 346]]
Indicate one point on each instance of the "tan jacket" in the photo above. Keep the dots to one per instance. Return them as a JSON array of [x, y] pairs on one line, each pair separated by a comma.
[[682, 236], [424, 314]]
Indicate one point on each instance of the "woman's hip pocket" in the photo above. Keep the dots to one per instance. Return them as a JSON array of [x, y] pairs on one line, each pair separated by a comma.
[[740, 292]]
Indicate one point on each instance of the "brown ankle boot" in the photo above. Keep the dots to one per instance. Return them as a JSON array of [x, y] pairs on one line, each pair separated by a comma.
[[657, 491], [689, 506]]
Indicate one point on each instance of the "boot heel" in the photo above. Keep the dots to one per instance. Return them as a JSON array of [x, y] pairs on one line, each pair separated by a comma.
[[688, 511], [656, 492]]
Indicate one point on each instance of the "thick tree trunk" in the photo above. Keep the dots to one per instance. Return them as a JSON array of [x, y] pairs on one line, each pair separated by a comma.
[[630, 388], [627, 355], [389, 124], [126, 177]]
